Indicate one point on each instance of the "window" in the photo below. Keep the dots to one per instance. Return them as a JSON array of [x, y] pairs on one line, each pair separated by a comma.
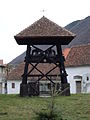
[[49, 86], [13, 85], [87, 78]]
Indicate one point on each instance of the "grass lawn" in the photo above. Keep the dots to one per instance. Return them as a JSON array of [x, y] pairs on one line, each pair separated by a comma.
[[74, 107]]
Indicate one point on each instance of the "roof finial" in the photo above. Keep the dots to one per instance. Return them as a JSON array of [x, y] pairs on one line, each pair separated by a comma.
[[43, 11]]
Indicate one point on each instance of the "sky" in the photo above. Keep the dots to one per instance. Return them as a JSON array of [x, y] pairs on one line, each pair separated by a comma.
[[16, 15]]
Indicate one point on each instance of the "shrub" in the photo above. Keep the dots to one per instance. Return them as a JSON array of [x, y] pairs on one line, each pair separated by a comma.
[[51, 112]]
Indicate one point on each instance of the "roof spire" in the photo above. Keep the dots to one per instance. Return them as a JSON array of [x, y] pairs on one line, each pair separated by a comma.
[[43, 11]]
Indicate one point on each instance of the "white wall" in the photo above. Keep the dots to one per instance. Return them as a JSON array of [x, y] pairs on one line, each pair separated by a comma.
[[2, 80], [86, 83], [74, 71], [15, 90], [71, 71], [2, 73], [3, 87]]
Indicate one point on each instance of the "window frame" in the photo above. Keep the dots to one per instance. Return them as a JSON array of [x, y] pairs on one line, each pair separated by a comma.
[[13, 85]]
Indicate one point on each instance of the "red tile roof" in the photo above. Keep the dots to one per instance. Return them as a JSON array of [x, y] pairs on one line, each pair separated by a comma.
[[66, 52], [78, 56], [18, 71]]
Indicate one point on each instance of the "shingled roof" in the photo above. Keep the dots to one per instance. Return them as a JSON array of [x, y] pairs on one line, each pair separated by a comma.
[[46, 29], [16, 73], [78, 56]]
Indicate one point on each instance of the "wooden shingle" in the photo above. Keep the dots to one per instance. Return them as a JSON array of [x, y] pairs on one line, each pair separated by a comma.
[[44, 31]]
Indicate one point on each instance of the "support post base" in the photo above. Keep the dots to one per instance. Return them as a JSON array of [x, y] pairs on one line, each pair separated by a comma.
[[65, 89], [23, 90]]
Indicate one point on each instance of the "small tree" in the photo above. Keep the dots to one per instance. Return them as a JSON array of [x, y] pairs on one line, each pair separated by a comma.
[[51, 112]]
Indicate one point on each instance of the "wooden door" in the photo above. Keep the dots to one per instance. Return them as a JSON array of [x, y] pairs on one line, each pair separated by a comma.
[[78, 86]]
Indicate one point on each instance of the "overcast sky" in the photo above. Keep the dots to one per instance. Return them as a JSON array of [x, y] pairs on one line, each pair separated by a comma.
[[15, 15]]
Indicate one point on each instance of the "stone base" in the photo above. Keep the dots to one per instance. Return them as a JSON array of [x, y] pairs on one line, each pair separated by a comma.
[[23, 90], [65, 89]]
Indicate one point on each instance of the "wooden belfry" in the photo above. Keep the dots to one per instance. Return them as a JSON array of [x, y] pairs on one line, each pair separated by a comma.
[[44, 32]]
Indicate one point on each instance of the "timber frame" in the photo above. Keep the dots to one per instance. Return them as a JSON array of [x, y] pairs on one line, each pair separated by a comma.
[[34, 56], [44, 32]]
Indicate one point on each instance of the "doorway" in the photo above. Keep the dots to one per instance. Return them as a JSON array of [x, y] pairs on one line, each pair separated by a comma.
[[78, 86]]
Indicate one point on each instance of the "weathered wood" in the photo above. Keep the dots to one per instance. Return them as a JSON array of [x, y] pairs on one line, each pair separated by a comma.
[[44, 32], [65, 89], [24, 76], [23, 90], [39, 57], [61, 65], [33, 89], [36, 59], [39, 75]]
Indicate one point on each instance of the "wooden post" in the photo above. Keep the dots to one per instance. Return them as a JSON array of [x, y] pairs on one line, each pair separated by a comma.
[[24, 85], [61, 65], [65, 87], [24, 80]]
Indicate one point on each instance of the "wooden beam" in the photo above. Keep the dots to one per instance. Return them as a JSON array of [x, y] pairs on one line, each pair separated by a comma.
[[61, 65], [24, 76]]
